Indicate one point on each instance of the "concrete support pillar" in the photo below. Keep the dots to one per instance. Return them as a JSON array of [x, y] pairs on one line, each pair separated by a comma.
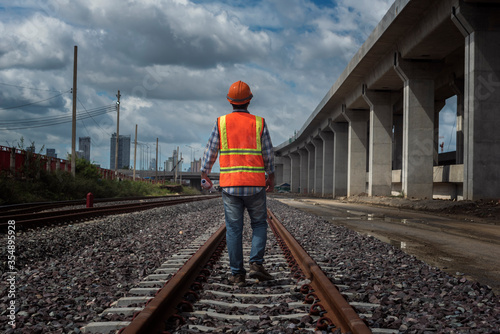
[[311, 162], [327, 170], [340, 157], [278, 170], [287, 169], [418, 126], [357, 150], [438, 105], [304, 170], [397, 159], [479, 24], [294, 172], [318, 165], [58, 164], [380, 143]]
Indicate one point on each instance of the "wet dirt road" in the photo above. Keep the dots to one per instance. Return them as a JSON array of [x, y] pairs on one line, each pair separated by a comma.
[[465, 248]]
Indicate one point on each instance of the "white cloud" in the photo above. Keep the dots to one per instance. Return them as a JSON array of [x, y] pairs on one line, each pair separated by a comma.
[[34, 43], [173, 62]]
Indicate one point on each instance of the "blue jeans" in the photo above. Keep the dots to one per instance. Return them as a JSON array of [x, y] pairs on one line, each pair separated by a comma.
[[234, 207]]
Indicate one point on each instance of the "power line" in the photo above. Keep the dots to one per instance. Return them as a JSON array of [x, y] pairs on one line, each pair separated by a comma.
[[98, 125], [42, 122], [30, 88], [54, 118], [29, 104], [88, 133]]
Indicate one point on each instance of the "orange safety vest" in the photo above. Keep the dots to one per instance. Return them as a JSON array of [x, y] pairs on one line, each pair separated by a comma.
[[241, 162]]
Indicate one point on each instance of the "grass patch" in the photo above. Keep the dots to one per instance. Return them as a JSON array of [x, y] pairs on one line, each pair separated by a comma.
[[41, 186]]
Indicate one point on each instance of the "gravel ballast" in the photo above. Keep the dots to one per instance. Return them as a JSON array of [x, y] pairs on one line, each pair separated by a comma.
[[414, 297], [66, 276]]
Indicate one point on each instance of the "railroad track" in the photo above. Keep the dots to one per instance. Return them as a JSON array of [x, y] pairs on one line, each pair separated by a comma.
[[40, 219], [17, 209], [191, 293]]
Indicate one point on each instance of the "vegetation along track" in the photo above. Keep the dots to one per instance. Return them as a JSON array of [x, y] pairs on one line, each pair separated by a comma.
[[40, 219], [191, 293]]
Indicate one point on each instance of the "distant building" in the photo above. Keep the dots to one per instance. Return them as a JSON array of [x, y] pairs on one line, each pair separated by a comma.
[[51, 152], [152, 164], [84, 147], [169, 164], [80, 154], [123, 152], [195, 166]]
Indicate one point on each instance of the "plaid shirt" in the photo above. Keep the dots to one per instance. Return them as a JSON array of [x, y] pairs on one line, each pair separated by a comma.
[[212, 150]]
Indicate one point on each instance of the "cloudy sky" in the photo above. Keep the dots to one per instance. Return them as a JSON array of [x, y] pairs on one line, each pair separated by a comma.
[[173, 62]]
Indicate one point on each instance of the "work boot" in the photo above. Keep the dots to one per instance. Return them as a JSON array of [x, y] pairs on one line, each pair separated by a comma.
[[257, 271], [238, 279]]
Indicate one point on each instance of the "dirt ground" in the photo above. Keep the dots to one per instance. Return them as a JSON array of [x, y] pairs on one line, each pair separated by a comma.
[[486, 211], [461, 238]]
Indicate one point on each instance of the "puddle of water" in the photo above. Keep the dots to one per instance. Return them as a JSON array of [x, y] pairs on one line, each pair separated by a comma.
[[373, 217], [404, 245], [343, 218], [399, 244], [403, 221], [357, 213]]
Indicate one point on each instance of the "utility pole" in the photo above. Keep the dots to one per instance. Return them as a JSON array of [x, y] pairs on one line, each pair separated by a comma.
[[177, 161], [135, 148], [73, 125], [117, 133], [191, 151], [180, 173], [156, 161]]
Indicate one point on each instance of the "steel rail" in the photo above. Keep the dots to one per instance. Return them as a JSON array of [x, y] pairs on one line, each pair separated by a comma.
[[31, 220], [335, 306], [152, 318], [336, 312], [14, 209]]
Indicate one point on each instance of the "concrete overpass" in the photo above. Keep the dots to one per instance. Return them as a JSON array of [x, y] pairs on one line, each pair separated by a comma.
[[194, 178], [376, 130]]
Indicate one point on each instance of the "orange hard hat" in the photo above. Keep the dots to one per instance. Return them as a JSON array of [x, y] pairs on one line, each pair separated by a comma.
[[239, 93]]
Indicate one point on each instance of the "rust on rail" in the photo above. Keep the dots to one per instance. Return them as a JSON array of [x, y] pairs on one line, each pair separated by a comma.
[[335, 306], [152, 318]]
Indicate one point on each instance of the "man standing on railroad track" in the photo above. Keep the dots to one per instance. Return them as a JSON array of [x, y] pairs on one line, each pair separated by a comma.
[[246, 155]]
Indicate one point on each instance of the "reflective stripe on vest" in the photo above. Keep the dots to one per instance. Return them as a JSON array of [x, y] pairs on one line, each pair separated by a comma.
[[242, 165], [237, 169]]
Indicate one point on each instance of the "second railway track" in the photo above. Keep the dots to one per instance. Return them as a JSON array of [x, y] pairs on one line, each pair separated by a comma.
[[39, 219], [190, 293]]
